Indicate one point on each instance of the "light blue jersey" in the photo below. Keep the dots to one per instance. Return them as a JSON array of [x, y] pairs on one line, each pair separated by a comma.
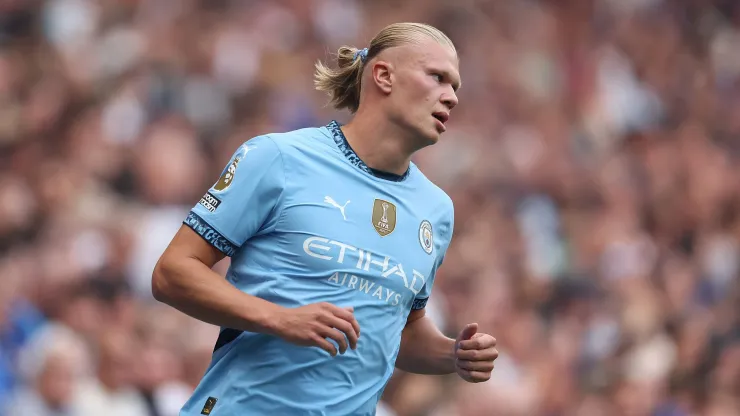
[[305, 221]]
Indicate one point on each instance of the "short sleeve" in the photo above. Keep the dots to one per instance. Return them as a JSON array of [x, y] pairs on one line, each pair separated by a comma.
[[445, 233], [245, 201]]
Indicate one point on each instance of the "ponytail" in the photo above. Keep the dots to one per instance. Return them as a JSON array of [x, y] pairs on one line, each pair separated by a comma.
[[343, 83]]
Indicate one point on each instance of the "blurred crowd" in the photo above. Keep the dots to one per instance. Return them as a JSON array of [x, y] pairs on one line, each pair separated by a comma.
[[593, 162]]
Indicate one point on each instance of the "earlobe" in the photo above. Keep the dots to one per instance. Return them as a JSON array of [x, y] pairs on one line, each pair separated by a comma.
[[383, 76]]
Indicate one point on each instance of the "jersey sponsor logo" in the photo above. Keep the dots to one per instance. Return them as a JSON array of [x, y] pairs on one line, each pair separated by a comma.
[[384, 217], [227, 176], [366, 286], [210, 202], [366, 261], [426, 236]]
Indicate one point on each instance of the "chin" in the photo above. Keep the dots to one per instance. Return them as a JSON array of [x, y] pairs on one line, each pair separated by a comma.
[[424, 138], [431, 136]]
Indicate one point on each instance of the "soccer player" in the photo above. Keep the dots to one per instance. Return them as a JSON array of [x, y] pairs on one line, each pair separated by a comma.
[[335, 238]]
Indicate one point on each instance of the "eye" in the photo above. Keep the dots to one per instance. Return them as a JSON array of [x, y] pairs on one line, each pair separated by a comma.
[[438, 77]]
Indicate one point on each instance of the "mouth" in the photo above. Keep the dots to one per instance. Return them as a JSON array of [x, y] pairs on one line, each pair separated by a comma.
[[442, 119]]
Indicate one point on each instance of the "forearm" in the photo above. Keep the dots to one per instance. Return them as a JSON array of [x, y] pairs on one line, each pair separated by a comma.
[[193, 288], [425, 350]]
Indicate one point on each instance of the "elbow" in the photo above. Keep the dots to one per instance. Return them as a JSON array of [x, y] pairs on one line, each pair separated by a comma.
[[161, 284]]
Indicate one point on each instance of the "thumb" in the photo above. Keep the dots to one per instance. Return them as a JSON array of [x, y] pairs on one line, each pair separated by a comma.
[[349, 308], [467, 332]]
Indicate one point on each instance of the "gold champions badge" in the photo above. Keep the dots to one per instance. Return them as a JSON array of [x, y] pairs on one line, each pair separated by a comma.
[[384, 217]]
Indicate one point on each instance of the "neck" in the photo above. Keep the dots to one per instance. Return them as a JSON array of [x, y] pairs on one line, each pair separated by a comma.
[[379, 143]]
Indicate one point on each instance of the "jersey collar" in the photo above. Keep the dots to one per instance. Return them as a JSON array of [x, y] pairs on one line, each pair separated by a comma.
[[341, 141]]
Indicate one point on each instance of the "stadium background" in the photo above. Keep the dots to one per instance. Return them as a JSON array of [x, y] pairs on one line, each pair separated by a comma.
[[593, 161]]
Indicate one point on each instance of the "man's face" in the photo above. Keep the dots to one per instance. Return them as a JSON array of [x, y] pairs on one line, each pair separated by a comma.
[[425, 79]]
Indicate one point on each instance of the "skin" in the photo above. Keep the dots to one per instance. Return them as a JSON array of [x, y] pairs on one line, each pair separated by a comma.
[[402, 88]]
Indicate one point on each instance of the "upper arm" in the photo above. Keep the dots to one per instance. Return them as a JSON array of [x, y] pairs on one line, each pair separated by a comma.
[[188, 244], [415, 314], [185, 249], [245, 201]]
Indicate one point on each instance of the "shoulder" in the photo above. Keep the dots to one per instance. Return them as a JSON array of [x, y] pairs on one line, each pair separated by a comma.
[[271, 146], [436, 200], [433, 193], [296, 140]]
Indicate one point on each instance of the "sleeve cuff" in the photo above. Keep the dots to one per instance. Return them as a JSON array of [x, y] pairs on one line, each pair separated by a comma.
[[419, 304], [208, 233]]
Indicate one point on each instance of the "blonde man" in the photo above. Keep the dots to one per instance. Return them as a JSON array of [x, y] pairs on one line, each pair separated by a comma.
[[332, 233]]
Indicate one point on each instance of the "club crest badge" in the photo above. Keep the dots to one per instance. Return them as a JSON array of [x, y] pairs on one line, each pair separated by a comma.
[[426, 236]]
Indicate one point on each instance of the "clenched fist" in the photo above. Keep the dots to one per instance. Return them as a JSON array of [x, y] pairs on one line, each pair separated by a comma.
[[474, 354]]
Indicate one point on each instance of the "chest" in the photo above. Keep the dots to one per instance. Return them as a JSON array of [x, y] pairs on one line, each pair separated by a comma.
[[359, 231]]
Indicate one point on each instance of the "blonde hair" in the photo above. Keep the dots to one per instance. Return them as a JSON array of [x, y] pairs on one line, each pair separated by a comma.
[[343, 84]]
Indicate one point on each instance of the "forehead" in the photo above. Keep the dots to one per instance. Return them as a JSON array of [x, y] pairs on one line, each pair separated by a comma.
[[426, 52]]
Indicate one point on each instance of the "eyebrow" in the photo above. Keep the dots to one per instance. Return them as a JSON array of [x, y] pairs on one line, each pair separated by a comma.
[[455, 81]]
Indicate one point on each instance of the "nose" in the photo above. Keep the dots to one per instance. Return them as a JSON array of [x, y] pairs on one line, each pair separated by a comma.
[[449, 99]]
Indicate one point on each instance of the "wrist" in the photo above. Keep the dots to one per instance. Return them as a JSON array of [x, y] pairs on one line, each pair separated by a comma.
[[268, 319], [452, 357]]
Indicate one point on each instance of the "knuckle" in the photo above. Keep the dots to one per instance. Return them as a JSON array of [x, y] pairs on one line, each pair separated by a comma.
[[344, 326]]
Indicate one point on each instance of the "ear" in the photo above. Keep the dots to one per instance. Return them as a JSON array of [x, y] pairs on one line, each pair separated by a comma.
[[383, 75]]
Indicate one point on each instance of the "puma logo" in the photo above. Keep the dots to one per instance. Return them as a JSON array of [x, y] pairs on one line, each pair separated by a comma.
[[329, 200]]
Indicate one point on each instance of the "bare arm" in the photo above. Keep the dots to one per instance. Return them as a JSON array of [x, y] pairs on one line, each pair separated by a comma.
[[424, 349], [184, 280]]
